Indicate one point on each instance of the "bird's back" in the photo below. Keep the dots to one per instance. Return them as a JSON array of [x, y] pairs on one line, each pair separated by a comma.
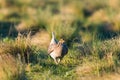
[[58, 50]]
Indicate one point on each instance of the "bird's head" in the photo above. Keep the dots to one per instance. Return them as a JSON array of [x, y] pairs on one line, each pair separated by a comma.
[[62, 41]]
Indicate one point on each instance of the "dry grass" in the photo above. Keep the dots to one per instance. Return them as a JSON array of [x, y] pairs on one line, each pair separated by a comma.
[[112, 76], [14, 55], [86, 25], [41, 39], [8, 66]]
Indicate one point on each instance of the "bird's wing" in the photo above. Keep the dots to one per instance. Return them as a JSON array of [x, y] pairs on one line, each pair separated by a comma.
[[51, 48], [65, 49]]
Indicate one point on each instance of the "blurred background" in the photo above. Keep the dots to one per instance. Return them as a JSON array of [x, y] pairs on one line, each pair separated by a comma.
[[86, 25], [69, 19]]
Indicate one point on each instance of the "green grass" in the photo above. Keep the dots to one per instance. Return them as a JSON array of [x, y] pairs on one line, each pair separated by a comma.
[[91, 30], [84, 59]]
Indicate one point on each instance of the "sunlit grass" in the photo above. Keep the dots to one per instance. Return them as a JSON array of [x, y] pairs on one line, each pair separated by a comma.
[[91, 28]]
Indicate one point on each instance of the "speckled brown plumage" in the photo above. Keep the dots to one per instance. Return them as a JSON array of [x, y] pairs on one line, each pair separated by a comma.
[[57, 50]]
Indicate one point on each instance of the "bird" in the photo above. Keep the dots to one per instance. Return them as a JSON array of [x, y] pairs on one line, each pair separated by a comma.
[[57, 50]]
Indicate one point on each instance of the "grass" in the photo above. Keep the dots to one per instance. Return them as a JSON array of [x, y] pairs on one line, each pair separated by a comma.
[[82, 60], [91, 30]]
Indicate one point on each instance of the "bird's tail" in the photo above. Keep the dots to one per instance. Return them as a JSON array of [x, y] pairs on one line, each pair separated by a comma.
[[53, 35], [53, 40]]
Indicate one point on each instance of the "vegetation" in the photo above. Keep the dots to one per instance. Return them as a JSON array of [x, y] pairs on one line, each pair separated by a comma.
[[91, 30]]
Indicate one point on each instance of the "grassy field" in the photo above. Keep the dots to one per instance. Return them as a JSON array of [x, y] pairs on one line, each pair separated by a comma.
[[91, 30]]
